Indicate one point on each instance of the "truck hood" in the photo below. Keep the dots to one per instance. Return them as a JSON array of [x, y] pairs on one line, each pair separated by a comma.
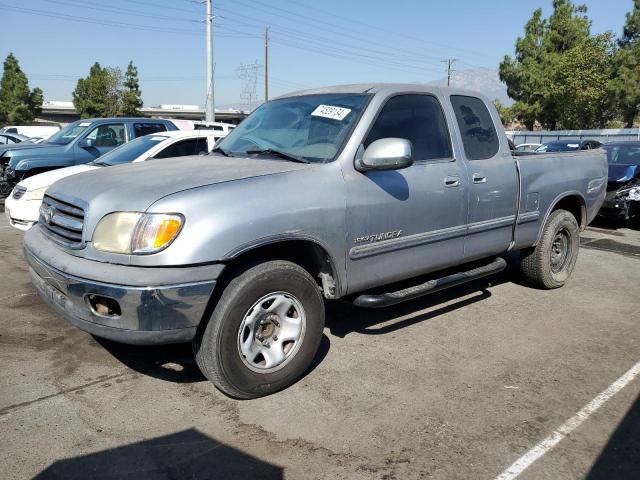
[[136, 186], [20, 146], [33, 151], [47, 178], [623, 173]]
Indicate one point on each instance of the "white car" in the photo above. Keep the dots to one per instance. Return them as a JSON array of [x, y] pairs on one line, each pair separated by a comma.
[[22, 206]]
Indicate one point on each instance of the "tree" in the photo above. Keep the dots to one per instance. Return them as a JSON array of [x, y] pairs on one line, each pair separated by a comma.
[[625, 83], [631, 31], [554, 56], [18, 104], [131, 95], [506, 113], [98, 95]]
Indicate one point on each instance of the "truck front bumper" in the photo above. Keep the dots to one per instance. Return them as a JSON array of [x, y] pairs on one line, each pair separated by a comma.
[[158, 312]]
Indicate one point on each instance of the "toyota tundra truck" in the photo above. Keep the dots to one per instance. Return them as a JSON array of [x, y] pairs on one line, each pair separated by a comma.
[[375, 194]]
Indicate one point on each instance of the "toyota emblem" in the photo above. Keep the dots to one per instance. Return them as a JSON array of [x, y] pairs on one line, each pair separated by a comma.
[[47, 213]]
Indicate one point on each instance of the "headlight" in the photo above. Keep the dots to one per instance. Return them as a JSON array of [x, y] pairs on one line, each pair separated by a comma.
[[37, 194], [137, 233]]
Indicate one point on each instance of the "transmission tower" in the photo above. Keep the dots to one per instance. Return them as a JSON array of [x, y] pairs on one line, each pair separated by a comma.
[[248, 73]]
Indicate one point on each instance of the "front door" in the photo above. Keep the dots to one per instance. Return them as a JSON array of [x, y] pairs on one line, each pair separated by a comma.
[[104, 138], [402, 223], [492, 177]]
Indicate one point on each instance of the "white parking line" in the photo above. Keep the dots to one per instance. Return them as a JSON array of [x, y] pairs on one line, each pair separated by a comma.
[[569, 426]]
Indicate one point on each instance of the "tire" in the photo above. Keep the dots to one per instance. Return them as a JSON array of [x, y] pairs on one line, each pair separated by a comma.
[[228, 347], [542, 266]]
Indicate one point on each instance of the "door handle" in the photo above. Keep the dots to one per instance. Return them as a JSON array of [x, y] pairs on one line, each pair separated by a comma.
[[451, 181], [478, 178]]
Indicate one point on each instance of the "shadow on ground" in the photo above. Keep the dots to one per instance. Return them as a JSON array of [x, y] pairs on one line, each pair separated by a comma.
[[186, 454], [175, 363], [343, 318], [620, 458]]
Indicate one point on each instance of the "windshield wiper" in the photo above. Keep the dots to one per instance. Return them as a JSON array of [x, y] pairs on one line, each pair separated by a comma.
[[278, 153], [101, 164], [222, 151]]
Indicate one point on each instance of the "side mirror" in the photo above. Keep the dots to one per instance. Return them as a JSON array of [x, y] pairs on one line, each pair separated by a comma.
[[85, 143], [385, 154]]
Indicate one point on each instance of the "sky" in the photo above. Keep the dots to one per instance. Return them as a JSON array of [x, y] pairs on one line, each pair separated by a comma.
[[312, 43]]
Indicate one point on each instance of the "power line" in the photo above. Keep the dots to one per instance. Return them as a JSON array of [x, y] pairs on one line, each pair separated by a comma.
[[351, 21], [86, 4], [107, 23]]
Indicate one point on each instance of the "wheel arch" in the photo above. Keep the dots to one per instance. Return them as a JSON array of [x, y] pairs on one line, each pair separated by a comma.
[[310, 253], [574, 203]]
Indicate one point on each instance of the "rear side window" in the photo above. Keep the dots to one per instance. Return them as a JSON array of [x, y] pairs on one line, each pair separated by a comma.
[[417, 118], [479, 135], [141, 129], [182, 148]]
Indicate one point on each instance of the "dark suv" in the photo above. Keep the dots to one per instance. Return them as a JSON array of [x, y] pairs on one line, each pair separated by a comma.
[[80, 142]]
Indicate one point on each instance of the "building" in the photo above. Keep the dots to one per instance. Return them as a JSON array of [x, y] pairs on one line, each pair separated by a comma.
[[65, 112]]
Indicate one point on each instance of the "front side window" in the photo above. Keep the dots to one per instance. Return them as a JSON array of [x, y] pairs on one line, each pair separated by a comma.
[[479, 136], [142, 129], [111, 135], [310, 127], [417, 118]]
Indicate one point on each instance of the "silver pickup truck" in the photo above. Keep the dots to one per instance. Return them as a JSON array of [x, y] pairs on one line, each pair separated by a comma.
[[374, 194]]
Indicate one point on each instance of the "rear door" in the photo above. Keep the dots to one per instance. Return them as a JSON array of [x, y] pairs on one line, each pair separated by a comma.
[[492, 177], [401, 223]]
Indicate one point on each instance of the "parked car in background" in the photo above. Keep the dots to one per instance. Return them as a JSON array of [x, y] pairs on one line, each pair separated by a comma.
[[12, 138], [221, 128], [339, 192], [568, 146], [528, 147], [80, 142], [22, 206], [623, 191], [31, 130]]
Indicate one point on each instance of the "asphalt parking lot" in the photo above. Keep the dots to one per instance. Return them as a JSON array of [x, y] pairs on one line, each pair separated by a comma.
[[457, 385]]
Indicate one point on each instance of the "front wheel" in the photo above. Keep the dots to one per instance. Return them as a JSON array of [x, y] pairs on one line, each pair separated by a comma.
[[264, 331], [550, 264]]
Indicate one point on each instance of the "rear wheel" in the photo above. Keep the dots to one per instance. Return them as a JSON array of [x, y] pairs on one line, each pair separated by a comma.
[[264, 331], [550, 264]]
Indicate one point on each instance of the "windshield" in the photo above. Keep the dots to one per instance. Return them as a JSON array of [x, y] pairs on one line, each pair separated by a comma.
[[69, 133], [623, 154], [311, 127], [130, 151], [559, 147]]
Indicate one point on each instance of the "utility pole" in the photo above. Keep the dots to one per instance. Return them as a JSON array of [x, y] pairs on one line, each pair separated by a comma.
[[266, 64], [210, 109], [450, 70]]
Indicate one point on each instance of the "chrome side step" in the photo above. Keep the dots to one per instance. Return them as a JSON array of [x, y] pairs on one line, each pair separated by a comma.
[[435, 285]]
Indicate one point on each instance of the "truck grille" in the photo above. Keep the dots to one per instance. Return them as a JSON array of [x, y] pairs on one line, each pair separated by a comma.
[[18, 192], [62, 221]]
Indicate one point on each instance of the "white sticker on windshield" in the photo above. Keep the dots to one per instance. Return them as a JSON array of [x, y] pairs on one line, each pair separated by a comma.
[[573, 145], [157, 139], [329, 111], [84, 124]]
